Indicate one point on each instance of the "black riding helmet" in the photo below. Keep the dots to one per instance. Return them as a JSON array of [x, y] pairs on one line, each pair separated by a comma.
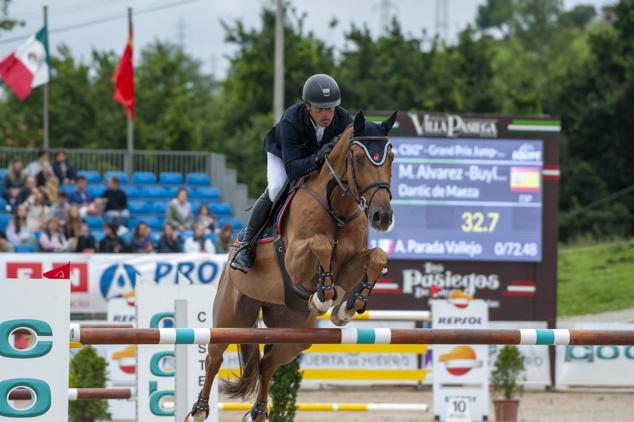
[[321, 91]]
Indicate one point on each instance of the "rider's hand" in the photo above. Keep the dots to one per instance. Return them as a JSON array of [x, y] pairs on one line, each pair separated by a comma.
[[323, 152]]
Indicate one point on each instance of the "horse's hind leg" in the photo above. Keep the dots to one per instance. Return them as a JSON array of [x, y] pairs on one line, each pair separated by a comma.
[[225, 314]]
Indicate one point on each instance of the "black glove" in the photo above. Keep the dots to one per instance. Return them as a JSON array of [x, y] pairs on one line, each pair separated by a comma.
[[323, 152]]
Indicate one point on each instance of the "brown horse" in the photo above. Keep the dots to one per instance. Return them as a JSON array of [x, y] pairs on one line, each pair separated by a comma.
[[325, 237]]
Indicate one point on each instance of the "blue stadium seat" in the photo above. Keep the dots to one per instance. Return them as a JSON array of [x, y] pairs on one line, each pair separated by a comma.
[[198, 179], [155, 236], [3, 172], [154, 191], [195, 207], [139, 207], [3, 205], [4, 220], [205, 192], [154, 223], [98, 235], [132, 191], [170, 178], [24, 249], [123, 177], [91, 176], [68, 188], [236, 224], [171, 191], [95, 191], [159, 207], [143, 178], [221, 209], [94, 222]]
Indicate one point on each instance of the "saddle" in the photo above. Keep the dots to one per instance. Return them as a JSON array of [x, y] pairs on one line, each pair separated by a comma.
[[295, 296]]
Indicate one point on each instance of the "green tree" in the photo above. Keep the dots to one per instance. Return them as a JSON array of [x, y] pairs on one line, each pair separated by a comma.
[[6, 22], [87, 370], [496, 14]]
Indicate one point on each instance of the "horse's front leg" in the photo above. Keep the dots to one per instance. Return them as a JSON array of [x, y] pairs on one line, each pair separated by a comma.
[[306, 256], [365, 267]]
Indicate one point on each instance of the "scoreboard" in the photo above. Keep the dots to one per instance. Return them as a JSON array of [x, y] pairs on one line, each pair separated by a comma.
[[475, 200], [465, 199]]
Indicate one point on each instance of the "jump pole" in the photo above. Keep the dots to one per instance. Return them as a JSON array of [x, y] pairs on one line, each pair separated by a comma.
[[558, 337]]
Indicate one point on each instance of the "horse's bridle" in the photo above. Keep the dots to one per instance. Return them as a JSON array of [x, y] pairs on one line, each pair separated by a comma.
[[358, 194]]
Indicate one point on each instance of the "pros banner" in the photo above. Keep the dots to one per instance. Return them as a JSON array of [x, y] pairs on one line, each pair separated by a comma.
[[97, 278]]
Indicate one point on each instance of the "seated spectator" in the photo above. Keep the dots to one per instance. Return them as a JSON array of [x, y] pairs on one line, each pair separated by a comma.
[[36, 211], [85, 242], [169, 241], [34, 167], [179, 211], [30, 184], [141, 241], [13, 181], [17, 230], [5, 245], [225, 239], [205, 218], [111, 242], [115, 203], [200, 242], [64, 171], [52, 239], [47, 181], [60, 208], [83, 199], [73, 224]]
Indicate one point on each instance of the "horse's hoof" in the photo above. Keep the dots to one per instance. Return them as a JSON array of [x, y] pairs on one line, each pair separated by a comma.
[[247, 417], [339, 316], [317, 307], [199, 417]]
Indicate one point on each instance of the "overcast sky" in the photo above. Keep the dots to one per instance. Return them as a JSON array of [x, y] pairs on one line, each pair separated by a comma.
[[195, 23]]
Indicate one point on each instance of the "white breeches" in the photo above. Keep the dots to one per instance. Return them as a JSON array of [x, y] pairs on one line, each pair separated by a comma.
[[275, 175]]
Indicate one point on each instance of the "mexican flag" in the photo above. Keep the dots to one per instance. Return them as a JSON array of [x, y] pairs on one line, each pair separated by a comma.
[[28, 66]]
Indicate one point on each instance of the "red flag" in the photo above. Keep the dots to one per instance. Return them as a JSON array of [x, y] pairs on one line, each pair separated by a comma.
[[123, 79], [435, 290], [61, 272]]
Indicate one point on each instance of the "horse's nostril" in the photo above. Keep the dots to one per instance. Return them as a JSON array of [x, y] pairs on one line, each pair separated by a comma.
[[376, 217]]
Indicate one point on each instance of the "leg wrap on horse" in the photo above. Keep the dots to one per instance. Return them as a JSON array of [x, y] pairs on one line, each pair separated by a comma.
[[201, 405], [323, 288], [256, 409], [357, 294]]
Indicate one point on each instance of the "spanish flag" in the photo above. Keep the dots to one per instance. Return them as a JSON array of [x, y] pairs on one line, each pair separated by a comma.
[[123, 78]]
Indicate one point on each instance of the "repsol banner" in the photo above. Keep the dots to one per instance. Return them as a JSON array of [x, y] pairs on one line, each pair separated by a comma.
[[596, 365], [97, 278]]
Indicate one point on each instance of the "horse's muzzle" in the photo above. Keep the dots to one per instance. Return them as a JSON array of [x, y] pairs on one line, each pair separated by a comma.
[[381, 218]]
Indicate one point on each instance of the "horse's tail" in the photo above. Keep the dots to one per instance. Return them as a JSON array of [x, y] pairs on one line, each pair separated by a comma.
[[247, 384]]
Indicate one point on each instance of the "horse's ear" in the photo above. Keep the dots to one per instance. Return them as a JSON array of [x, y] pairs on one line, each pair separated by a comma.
[[387, 124], [359, 122]]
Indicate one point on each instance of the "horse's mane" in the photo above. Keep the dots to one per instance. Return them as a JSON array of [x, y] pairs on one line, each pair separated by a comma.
[[341, 142]]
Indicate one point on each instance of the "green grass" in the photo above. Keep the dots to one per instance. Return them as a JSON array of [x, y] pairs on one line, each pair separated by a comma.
[[595, 278]]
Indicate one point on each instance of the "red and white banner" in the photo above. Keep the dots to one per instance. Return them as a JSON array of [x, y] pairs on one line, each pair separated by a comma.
[[97, 278]]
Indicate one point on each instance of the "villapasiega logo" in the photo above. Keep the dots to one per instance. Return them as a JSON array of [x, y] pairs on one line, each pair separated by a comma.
[[452, 125]]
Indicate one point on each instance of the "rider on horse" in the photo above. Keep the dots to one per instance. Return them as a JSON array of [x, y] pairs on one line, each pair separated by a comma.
[[297, 145]]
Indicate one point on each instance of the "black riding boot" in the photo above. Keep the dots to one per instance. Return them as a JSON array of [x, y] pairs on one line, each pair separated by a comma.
[[243, 260]]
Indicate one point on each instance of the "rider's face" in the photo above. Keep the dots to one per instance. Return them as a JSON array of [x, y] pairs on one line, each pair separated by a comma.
[[321, 116]]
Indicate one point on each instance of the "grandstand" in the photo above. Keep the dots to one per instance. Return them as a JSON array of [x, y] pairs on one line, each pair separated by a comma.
[[149, 189]]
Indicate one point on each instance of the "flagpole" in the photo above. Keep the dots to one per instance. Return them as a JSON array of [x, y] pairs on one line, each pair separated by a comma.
[[45, 98], [130, 121]]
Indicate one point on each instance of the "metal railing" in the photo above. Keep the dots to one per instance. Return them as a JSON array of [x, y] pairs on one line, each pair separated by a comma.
[[103, 160]]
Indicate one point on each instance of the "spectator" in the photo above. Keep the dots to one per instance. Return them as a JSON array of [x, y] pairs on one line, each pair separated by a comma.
[[73, 224], [37, 211], [13, 181], [169, 241], [52, 239], [85, 241], [141, 241], [47, 181], [225, 238], [5, 245], [199, 243], [60, 208], [30, 184], [205, 218], [116, 203], [17, 230], [111, 242], [83, 199], [35, 167], [64, 171], [179, 211]]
